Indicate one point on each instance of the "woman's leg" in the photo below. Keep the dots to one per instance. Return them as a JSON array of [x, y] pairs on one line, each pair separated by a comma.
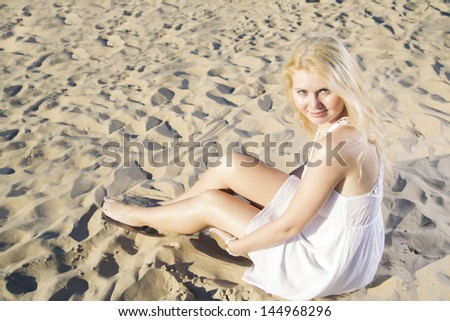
[[244, 175], [205, 204], [211, 208]]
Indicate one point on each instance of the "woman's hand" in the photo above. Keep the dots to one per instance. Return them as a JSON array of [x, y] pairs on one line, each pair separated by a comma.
[[227, 238]]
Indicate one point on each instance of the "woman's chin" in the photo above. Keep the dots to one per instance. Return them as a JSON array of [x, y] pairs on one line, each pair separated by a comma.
[[318, 120]]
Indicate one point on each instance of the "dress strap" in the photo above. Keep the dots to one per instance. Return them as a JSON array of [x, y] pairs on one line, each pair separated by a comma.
[[378, 186], [341, 121]]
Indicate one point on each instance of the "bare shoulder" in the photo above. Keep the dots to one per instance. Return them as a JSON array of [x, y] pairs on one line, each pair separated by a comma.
[[336, 160], [346, 134], [343, 146]]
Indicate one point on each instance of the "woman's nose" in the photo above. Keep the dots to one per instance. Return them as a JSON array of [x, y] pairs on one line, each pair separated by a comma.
[[314, 102]]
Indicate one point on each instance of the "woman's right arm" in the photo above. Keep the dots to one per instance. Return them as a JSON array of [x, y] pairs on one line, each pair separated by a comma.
[[317, 185]]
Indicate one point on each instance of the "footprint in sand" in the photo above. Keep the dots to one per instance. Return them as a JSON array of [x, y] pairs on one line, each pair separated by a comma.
[[108, 266], [184, 84], [81, 185], [127, 177], [162, 97], [400, 209], [128, 245], [167, 130], [269, 79], [265, 103], [220, 100], [38, 63], [26, 11], [80, 229], [406, 82], [17, 190], [9, 134], [200, 114], [74, 286], [115, 125], [216, 45], [399, 184], [19, 283], [224, 89], [11, 91], [4, 213], [216, 73], [426, 222], [270, 24], [152, 122]]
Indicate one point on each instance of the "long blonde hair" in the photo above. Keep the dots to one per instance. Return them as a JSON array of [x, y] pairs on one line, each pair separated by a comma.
[[328, 57]]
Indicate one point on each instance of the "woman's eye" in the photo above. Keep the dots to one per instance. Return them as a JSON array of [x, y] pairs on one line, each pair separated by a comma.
[[325, 91], [301, 92]]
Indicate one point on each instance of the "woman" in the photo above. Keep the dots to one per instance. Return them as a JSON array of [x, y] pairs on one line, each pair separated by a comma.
[[320, 231]]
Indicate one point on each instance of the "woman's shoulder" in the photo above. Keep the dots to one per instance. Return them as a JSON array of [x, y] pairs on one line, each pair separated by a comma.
[[344, 143]]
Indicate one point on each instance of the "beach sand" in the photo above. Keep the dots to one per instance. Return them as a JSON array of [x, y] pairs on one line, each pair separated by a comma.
[[96, 93]]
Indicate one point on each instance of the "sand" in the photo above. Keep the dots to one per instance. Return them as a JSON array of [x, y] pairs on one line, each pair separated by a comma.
[[141, 75]]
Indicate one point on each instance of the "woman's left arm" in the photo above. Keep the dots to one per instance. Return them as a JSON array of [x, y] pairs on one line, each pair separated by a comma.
[[322, 176]]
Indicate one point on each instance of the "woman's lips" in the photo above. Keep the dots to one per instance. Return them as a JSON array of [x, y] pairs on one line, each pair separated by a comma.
[[318, 114]]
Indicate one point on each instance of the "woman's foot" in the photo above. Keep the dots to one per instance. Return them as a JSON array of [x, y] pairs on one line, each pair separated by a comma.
[[124, 213]]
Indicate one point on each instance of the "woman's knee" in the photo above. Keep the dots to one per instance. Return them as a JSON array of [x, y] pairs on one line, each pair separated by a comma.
[[204, 205], [210, 198], [235, 160], [231, 167], [224, 167]]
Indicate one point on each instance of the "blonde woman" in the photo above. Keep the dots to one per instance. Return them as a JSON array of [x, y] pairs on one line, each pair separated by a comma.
[[316, 232]]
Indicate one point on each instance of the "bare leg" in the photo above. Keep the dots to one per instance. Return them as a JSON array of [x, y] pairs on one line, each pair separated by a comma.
[[205, 204], [244, 175], [211, 208]]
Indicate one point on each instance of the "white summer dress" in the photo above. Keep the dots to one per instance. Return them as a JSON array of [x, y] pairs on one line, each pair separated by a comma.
[[337, 252]]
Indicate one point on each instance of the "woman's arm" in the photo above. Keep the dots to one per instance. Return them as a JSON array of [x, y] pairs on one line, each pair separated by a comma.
[[315, 188]]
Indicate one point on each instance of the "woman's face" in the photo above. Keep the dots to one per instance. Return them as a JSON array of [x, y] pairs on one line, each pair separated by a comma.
[[315, 100]]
